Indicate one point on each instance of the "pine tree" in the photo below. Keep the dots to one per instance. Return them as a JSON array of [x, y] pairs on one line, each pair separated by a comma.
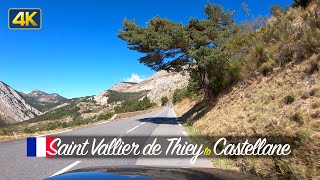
[[172, 46]]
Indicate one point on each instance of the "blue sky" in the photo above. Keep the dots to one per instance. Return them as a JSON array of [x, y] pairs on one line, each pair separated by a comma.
[[77, 52]]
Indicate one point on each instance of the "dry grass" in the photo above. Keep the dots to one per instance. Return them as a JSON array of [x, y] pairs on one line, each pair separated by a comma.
[[257, 107]]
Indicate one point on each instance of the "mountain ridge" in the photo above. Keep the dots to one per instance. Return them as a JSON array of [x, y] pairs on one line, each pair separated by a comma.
[[43, 101], [13, 107], [161, 83]]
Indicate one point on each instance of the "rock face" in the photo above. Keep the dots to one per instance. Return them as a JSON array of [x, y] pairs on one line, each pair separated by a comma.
[[43, 101], [158, 85], [102, 98], [122, 86], [13, 108]]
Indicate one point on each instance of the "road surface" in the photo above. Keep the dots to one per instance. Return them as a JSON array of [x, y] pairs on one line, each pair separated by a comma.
[[14, 164]]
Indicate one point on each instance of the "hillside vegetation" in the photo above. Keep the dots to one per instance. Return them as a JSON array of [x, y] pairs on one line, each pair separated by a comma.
[[114, 96], [256, 78], [277, 93], [78, 112], [134, 105], [43, 101]]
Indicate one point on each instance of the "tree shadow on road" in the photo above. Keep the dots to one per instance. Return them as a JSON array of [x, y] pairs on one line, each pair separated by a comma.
[[160, 120], [190, 117]]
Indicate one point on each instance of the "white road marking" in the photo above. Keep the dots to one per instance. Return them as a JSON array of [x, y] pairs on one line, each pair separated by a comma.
[[133, 128], [54, 133], [77, 162], [145, 122], [184, 133], [114, 116], [66, 168]]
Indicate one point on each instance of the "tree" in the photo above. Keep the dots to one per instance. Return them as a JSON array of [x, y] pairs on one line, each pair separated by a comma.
[[164, 100], [172, 46], [178, 95], [302, 3]]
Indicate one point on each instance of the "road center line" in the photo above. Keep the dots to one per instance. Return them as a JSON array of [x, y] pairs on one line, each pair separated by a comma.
[[133, 128], [144, 122], [66, 168]]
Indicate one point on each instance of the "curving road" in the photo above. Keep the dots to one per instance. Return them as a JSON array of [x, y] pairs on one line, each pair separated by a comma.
[[14, 164]]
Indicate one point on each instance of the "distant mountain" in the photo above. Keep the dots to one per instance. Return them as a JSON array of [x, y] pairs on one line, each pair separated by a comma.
[[160, 84], [13, 107], [43, 101]]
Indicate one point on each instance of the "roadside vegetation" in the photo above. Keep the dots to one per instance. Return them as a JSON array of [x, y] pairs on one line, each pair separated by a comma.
[[64, 117], [129, 101], [79, 112], [164, 101], [258, 78], [44, 106], [114, 96], [134, 105]]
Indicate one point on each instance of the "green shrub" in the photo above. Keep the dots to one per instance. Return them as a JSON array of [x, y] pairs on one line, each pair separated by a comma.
[[114, 96], [133, 105], [71, 110], [164, 100], [259, 54], [287, 169], [298, 118], [53, 125], [289, 99], [302, 136], [314, 66], [105, 116], [222, 72], [266, 68], [302, 3], [29, 131], [87, 111], [194, 86], [179, 95]]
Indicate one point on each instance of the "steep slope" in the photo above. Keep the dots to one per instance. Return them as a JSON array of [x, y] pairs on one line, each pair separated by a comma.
[[13, 108], [286, 103], [278, 96], [43, 101], [158, 85]]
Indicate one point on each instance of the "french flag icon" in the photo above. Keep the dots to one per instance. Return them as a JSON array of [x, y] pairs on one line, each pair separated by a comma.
[[40, 147]]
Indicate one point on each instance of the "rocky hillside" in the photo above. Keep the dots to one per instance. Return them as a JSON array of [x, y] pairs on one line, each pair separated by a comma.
[[122, 86], [158, 85], [278, 96], [13, 108], [43, 101], [102, 98], [285, 103]]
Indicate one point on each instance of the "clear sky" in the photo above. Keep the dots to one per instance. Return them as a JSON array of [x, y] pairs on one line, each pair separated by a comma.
[[77, 52]]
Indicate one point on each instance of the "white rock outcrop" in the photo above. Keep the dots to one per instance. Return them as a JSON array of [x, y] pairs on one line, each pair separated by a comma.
[[13, 107], [158, 85]]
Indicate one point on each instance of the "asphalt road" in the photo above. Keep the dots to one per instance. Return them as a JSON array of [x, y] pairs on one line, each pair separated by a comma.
[[14, 164]]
